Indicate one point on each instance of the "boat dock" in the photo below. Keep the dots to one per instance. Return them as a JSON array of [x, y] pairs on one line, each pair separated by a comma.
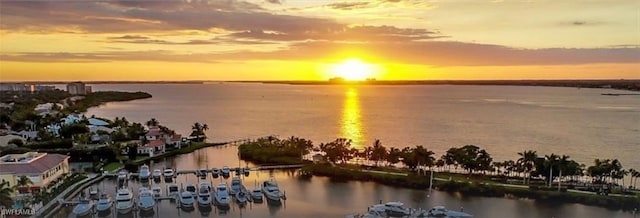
[[194, 171]]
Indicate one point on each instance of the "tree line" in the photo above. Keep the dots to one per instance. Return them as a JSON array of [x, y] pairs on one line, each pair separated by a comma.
[[475, 160]]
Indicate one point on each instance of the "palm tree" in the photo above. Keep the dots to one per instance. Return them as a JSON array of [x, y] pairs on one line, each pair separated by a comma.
[[394, 156], [378, 152], [550, 162], [563, 164], [528, 160], [24, 182], [5, 195]]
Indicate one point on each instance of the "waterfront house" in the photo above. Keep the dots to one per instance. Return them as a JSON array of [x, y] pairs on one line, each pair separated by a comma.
[[71, 119], [152, 148], [175, 140], [154, 134], [41, 168]]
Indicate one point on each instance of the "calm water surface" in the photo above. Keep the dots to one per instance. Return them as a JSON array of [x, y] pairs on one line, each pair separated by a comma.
[[504, 120], [321, 197]]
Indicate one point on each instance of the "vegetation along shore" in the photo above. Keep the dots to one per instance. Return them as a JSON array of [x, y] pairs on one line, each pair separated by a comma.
[[469, 170]]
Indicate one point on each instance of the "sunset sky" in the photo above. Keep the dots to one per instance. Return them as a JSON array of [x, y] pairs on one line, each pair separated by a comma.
[[316, 40]]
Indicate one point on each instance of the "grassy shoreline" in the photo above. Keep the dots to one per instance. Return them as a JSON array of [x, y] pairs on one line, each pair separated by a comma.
[[470, 188]]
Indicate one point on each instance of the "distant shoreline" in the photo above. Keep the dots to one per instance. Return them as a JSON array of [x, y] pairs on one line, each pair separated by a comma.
[[628, 85], [617, 84]]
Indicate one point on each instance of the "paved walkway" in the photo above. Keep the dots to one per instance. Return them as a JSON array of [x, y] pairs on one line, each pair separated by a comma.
[[64, 193]]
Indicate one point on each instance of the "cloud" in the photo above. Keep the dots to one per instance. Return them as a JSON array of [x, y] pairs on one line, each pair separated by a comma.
[[155, 55], [279, 2], [148, 16], [434, 53], [348, 5], [355, 33], [136, 39]]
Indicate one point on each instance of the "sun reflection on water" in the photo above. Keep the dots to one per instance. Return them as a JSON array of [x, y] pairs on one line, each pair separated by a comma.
[[351, 118]]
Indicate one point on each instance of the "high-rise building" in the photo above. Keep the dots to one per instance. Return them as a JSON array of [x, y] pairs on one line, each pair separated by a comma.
[[78, 88]]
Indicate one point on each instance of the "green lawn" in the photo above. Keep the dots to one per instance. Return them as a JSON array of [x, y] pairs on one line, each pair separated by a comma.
[[112, 166]]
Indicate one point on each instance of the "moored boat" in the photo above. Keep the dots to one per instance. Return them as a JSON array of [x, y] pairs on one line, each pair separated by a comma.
[[146, 202], [104, 204], [168, 174], [157, 174], [215, 173], [256, 195], [144, 172], [241, 197], [441, 211], [173, 190], [271, 190], [204, 194], [236, 186], [222, 194], [123, 175], [93, 194], [202, 173], [186, 199], [124, 201], [192, 189], [225, 172], [157, 191], [83, 208]]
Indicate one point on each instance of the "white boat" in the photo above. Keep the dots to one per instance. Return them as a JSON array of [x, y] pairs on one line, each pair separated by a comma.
[[236, 186], [204, 195], [144, 172], [256, 194], [191, 188], [271, 190], [124, 201], [393, 208], [241, 197], [157, 191], [215, 173], [222, 194], [146, 202], [83, 208], [168, 173], [157, 173], [93, 194], [173, 190], [186, 199], [123, 175], [104, 203], [225, 171], [441, 211]]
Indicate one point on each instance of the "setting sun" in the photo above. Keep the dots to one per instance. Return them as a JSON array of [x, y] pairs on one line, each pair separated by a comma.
[[353, 69]]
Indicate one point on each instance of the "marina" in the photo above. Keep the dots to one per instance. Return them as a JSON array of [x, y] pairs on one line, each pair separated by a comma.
[[312, 197]]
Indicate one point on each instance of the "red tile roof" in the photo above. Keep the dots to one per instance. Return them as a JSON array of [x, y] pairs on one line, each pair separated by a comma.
[[155, 143], [154, 132], [37, 166], [176, 137]]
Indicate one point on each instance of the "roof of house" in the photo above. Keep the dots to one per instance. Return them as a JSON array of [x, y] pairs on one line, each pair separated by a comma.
[[154, 132], [97, 122], [37, 166], [154, 143], [176, 137]]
